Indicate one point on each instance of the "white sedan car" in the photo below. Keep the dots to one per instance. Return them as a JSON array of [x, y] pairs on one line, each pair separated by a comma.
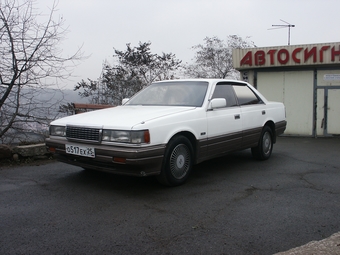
[[168, 127]]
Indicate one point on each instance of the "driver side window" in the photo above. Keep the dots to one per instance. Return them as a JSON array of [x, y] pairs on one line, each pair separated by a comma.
[[225, 91]]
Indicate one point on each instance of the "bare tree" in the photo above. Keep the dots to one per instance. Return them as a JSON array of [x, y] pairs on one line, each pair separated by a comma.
[[30, 59], [213, 59]]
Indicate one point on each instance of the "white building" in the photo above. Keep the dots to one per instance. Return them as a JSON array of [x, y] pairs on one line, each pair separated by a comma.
[[306, 78]]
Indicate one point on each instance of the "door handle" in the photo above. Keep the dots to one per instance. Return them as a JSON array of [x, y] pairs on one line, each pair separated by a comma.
[[263, 112], [237, 116]]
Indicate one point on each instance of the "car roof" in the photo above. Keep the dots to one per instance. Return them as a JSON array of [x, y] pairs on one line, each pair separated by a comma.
[[214, 80]]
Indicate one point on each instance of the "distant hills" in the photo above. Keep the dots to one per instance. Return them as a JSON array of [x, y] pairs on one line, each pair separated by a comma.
[[64, 96], [42, 103]]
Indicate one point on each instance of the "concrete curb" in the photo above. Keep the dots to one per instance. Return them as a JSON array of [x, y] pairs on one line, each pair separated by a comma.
[[328, 246], [24, 151], [30, 150]]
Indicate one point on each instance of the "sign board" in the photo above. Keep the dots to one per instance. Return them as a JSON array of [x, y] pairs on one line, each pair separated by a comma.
[[331, 77], [291, 55]]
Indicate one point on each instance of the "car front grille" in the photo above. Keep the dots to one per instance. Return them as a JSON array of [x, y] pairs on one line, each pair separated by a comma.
[[82, 133]]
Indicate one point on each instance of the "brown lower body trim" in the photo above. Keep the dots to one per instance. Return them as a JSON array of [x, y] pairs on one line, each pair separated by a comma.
[[144, 167], [221, 145], [139, 161], [251, 137], [280, 127], [218, 146]]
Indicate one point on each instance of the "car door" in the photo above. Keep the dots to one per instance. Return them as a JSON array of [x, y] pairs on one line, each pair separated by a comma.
[[253, 112], [224, 124]]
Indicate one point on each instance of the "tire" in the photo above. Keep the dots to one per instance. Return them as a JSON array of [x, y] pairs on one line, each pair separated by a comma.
[[177, 163], [264, 149]]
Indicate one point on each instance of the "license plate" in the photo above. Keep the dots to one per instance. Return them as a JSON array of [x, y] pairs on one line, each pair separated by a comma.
[[80, 150]]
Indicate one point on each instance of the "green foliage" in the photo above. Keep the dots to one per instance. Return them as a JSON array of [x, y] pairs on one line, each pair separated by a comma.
[[135, 68]]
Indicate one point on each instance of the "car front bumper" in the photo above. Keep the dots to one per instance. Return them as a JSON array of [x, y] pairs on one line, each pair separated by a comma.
[[134, 161]]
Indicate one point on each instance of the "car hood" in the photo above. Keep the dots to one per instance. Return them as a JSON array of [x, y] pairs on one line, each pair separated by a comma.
[[120, 117]]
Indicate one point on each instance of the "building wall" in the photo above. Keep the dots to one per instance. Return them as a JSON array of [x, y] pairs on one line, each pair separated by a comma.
[[333, 117], [328, 102], [295, 90], [320, 121], [312, 101], [287, 56], [306, 78]]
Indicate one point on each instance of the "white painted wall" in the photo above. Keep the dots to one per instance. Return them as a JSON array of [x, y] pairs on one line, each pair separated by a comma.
[[333, 125], [329, 78], [295, 90], [320, 112], [322, 78]]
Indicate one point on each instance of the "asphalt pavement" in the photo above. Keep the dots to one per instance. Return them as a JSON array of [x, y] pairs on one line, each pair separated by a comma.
[[288, 204]]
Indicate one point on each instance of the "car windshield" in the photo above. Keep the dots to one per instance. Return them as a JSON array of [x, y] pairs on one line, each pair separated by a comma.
[[184, 93]]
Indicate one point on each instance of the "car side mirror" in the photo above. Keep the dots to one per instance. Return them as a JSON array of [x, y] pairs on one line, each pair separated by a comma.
[[125, 100], [217, 103]]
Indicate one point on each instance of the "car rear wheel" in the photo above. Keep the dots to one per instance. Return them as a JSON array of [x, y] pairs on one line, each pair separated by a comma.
[[178, 161], [264, 148]]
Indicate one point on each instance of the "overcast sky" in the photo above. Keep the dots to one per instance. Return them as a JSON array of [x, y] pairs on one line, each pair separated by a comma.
[[177, 25]]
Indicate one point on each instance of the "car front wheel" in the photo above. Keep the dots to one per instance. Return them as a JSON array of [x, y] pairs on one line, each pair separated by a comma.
[[178, 161], [264, 148]]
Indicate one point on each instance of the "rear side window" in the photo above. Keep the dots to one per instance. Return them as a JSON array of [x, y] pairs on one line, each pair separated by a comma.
[[225, 91], [245, 95]]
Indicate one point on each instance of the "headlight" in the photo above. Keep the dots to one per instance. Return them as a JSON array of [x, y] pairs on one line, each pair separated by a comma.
[[122, 136], [58, 130]]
